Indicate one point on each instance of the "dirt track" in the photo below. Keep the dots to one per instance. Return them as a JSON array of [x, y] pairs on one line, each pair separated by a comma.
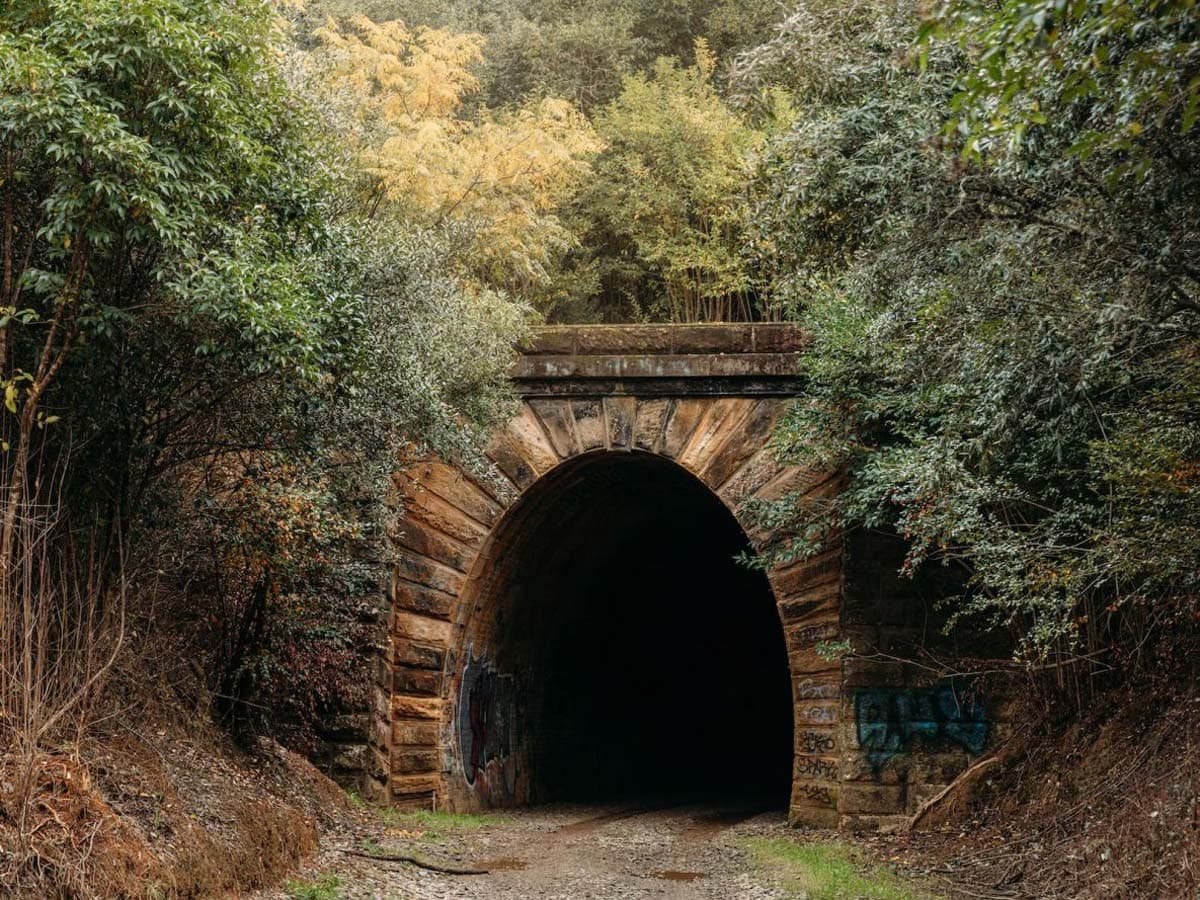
[[599, 852]]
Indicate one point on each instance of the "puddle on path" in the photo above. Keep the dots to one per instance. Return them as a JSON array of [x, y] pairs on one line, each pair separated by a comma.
[[672, 875], [503, 864]]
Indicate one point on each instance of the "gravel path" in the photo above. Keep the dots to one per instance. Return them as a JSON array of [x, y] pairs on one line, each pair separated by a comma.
[[564, 853]]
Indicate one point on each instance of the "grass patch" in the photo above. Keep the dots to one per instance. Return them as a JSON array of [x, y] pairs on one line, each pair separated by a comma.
[[828, 871], [325, 887], [435, 824]]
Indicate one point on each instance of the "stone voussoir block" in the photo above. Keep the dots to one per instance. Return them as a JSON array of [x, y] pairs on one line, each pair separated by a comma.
[[428, 572], [648, 422], [414, 733], [415, 627], [408, 707], [417, 655], [813, 816], [808, 574], [590, 425], [407, 680], [410, 597], [818, 712], [416, 762], [742, 444], [808, 634], [620, 413], [723, 419], [681, 420], [816, 740], [807, 688], [442, 515], [559, 424], [452, 486], [412, 535], [817, 768]]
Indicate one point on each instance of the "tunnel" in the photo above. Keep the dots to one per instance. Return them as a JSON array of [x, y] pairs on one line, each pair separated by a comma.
[[617, 648]]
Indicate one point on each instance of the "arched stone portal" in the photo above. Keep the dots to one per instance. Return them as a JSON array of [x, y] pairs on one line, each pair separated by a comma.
[[536, 608], [610, 646]]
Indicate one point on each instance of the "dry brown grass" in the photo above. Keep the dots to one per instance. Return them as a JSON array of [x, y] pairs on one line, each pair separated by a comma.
[[77, 845], [1108, 806], [161, 811]]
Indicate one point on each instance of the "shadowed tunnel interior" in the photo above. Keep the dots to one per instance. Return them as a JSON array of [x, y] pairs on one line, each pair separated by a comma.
[[641, 659]]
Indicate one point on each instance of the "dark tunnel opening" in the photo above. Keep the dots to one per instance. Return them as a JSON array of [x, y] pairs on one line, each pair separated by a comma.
[[651, 663]]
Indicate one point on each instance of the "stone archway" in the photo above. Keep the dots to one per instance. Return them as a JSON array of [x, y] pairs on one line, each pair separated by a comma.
[[610, 645], [698, 401]]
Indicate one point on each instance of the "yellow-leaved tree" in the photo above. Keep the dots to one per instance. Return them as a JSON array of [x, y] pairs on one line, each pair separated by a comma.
[[501, 174]]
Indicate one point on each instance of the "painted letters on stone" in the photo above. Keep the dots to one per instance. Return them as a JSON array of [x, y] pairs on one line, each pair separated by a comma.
[[887, 720]]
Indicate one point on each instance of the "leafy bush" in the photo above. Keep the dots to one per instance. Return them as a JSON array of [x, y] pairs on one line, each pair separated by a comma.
[[209, 341], [1003, 311]]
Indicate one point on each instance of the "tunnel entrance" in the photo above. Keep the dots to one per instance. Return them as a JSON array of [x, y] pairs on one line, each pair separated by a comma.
[[615, 648]]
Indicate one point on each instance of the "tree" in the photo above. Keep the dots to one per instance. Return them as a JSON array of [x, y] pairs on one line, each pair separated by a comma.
[[191, 295], [500, 175], [1002, 312], [670, 189], [127, 201]]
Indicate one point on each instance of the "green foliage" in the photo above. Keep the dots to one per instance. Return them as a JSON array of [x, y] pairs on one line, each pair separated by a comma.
[[118, 181], [668, 192], [1003, 342], [579, 53], [325, 887], [1115, 77], [575, 51], [579, 255], [498, 176], [828, 871], [229, 351]]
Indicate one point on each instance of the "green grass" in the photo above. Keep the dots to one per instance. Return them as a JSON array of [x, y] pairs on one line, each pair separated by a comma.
[[326, 887], [828, 871], [436, 824]]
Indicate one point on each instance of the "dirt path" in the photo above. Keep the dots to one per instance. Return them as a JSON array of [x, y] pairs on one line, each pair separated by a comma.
[[687, 852]]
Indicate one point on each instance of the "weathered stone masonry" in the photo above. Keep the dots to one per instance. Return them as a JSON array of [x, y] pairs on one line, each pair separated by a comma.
[[869, 743]]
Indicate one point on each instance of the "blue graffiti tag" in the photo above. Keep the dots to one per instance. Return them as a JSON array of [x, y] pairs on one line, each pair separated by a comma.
[[888, 719]]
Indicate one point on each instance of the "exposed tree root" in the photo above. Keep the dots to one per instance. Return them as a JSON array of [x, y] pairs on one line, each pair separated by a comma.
[[964, 785], [416, 861]]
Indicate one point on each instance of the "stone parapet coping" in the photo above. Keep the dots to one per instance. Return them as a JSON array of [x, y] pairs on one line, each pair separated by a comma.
[[661, 360], [666, 340]]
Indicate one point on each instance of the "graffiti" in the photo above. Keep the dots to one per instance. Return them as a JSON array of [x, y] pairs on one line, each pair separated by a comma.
[[815, 742], [811, 634], [816, 793], [811, 690], [888, 719], [814, 767], [484, 720], [819, 715]]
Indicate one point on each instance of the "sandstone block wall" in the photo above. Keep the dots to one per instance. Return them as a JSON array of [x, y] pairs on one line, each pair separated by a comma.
[[873, 736]]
